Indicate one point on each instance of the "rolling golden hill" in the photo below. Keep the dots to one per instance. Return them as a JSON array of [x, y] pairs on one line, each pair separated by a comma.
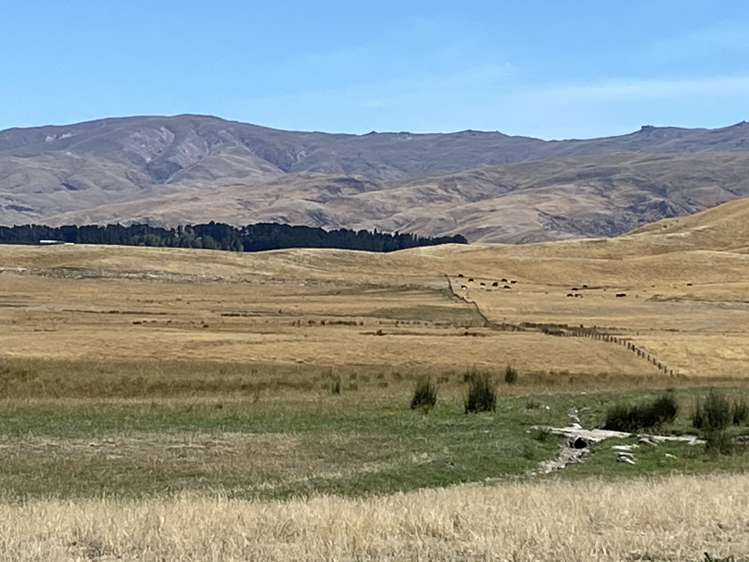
[[683, 290]]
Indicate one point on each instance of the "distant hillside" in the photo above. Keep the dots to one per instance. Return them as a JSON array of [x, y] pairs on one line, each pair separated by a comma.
[[724, 228], [490, 186]]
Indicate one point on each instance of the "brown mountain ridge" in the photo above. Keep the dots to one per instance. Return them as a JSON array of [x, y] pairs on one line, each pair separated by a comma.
[[486, 185]]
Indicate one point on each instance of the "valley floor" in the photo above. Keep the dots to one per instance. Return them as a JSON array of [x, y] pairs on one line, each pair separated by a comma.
[[263, 401]]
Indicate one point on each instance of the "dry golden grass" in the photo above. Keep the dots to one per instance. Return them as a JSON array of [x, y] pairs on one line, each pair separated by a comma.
[[100, 312], [327, 307], [318, 307], [124, 303], [132, 371], [671, 519]]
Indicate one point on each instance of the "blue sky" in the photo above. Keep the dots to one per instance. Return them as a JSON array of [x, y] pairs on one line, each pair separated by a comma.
[[552, 69]]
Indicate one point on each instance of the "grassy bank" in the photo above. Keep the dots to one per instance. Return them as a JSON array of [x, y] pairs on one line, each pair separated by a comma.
[[142, 433]]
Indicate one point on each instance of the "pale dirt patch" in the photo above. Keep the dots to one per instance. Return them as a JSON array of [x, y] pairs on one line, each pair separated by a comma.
[[268, 459]]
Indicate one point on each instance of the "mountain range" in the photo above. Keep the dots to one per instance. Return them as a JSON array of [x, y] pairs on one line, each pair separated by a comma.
[[488, 186]]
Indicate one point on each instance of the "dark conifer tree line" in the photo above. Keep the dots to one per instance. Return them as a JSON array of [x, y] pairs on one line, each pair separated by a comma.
[[218, 236]]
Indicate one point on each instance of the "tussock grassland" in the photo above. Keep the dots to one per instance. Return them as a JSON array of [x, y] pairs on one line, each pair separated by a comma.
[[671, 519], [159, 404], [685, 301]]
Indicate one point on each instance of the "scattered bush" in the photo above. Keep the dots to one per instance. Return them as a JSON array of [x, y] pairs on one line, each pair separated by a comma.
[[619, 417], [712, 412], [482, 394], [511, 375], [425, 394], [646, 415], [712, 416], [740, 412], [718, 442], [335, 385], [533, 404], [542, 434]]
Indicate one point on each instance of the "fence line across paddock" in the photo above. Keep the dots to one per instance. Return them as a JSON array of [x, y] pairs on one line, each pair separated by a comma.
[[564, 330]]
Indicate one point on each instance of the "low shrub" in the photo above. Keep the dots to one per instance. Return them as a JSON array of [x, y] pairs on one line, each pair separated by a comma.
[[718, 442], [713, 414], [335, 385], [482, 394], [542, 434], [511, 375], [533, 404], [740, 412], [645, 415], [425, 394]]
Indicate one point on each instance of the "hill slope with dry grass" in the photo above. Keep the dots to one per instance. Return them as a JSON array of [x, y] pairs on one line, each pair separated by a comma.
[[682, 296]]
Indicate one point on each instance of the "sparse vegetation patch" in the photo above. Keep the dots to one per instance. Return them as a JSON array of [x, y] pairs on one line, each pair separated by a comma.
[[482, 393], [644, 415], [425, 394], [713, 415]]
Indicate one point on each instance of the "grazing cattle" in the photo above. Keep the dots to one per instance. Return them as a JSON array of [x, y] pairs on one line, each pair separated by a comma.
[[507, 287], [460, 275], [495, 284], [464, 287], [570, 295], [483, 284], [470, 280], [585, 286], [504, 280], [513, 281], [621, 295]]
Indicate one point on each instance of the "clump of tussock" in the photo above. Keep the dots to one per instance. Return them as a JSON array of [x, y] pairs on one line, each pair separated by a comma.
[[712, 415], [335, 385], [425, 395], [644, 415], [542, 434], [740, 411], [511, 375], [481, 395], [533, 404]]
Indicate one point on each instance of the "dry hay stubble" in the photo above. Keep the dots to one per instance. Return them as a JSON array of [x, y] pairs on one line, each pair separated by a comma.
[[676, 518]]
